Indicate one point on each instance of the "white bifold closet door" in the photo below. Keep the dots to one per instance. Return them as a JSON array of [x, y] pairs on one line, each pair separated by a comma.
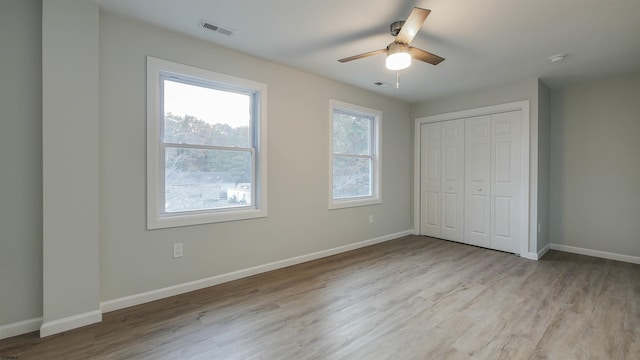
[[478, 181], [430, 144], [470, 180], [492, 181], [505, 181], [442, 179]]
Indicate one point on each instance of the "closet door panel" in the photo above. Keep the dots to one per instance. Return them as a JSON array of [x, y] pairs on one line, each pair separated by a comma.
[[430, 179], [505, 181], [478, 181], [452, 186], [478, 224]]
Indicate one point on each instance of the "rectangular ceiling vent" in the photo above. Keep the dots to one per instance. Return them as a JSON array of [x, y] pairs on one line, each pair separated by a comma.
[[216, 28]]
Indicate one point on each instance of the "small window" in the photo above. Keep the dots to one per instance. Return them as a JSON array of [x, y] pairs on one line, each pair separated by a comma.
[[355, 158], [206, 151]]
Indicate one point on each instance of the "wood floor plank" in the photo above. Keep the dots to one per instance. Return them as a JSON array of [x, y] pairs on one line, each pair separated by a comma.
[[410, 298]]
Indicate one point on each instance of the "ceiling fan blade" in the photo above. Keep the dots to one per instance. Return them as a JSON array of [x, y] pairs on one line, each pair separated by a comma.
[[360, 56], [412, 25], [425, 56]]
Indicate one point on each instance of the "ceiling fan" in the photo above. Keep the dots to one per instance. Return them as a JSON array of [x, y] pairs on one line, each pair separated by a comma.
[[399, 53]]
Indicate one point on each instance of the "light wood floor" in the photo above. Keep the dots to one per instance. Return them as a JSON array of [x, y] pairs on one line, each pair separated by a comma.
[[410, 298]]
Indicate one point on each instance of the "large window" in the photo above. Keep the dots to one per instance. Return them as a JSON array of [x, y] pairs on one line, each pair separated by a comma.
[[355, 160], [206, 149]]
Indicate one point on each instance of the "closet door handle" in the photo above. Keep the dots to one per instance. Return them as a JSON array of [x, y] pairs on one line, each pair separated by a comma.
[[480, 189]]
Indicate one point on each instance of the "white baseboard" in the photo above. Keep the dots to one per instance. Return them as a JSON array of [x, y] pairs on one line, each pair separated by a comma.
[[539, 254], [69, 323], [544, 251], [596, 253], [137, 299], [20, 327]]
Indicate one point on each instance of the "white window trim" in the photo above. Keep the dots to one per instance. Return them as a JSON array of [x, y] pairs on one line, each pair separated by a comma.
[[376, 188], [155, 217]]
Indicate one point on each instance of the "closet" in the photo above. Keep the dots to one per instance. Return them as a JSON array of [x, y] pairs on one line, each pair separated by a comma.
[[471, 187]]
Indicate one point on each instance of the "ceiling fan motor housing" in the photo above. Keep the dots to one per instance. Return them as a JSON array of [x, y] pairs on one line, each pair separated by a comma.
[[395, 27]]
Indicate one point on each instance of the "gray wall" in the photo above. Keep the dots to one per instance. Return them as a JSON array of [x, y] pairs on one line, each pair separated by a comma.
[[20, 160], [544, 169], [134, 260], [595, 165], [520, 90], [70, 161]]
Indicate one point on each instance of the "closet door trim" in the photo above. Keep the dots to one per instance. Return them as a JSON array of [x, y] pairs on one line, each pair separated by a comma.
[[528, 208]]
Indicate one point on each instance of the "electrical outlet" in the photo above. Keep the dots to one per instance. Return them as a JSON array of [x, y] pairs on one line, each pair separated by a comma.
[[177, 250], [370, 219]]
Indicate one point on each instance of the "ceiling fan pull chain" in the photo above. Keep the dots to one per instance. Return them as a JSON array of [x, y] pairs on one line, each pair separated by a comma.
[[397, 79]]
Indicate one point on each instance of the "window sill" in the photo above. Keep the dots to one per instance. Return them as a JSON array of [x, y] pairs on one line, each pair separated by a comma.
[[169, 221], [348, 203]]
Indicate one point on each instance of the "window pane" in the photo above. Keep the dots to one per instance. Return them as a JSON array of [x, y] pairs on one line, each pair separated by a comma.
[[351, 133], [351, 177], [206, 179], [203, 116]]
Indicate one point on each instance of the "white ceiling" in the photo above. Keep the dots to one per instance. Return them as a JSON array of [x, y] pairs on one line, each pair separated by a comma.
[[485, 43]]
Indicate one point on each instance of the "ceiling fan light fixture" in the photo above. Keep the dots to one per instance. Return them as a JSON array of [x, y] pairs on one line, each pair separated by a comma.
[[398, 57], [399, 53]]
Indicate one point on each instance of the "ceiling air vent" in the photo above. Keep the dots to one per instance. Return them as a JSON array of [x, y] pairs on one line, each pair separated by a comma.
[[216, 28]]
